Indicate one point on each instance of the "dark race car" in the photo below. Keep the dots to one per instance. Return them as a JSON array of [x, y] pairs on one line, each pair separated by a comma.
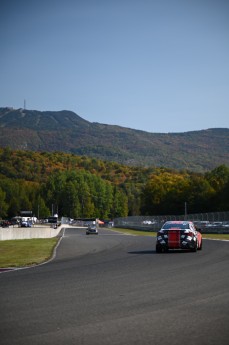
[[26, 224], [178, 235], [92, 229]]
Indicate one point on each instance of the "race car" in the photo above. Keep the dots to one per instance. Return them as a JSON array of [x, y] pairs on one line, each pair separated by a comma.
[[178, 235], [92, 229], [26, 224]]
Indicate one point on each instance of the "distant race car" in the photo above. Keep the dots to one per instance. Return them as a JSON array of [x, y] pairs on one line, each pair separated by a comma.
[[26, 224], [92, 229], [178, 235]]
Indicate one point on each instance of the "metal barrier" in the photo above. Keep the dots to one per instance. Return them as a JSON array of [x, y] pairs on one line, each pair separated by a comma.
[[214, 222]]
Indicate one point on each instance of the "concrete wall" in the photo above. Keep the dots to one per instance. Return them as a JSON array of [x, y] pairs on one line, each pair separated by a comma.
[[16, 233]]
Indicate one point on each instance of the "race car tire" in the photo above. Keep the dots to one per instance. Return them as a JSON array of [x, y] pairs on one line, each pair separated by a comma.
[[158, 249], [195, 248]]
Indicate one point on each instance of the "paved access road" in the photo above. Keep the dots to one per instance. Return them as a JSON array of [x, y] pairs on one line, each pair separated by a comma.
[[114, 289]]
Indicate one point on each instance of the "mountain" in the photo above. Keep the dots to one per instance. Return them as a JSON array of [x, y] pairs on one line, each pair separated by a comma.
[[66, 131]]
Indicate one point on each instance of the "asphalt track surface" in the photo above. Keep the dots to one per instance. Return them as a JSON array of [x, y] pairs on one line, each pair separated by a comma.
[[113, 288]]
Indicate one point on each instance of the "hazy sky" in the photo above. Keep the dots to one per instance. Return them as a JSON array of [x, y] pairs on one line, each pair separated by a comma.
[[154, 65]]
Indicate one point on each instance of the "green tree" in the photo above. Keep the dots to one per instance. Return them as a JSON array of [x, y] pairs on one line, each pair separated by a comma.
[[120, 204], [200, 195], [14, 207], [3, 204], [40, 210], [218, 178]]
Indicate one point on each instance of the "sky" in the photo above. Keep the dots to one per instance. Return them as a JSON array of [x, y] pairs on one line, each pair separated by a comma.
[[152, 65]]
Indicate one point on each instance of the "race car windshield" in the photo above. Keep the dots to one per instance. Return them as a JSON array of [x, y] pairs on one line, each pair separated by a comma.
[[175, 226]]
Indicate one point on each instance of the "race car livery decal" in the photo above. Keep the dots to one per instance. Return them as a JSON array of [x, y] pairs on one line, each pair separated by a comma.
[[174, 238]]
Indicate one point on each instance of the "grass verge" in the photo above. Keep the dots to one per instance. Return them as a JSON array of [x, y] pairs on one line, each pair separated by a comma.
[[21, 253], [147, 233]]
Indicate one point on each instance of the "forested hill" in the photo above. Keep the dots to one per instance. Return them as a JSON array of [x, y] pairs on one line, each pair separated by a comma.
[[65, 131], [79, 186]]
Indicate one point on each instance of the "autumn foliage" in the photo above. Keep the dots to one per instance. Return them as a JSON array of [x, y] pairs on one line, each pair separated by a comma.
[[78, 186]]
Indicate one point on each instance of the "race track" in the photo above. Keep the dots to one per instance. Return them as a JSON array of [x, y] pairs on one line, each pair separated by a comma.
[[114, 289]]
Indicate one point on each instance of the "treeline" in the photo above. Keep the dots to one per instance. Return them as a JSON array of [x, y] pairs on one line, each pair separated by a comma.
[[78, 186]]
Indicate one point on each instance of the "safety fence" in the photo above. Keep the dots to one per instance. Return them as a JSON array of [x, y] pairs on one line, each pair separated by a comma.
[[214, 222]]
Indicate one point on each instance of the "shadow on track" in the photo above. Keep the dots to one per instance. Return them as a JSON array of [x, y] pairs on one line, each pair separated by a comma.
[[142, 252]]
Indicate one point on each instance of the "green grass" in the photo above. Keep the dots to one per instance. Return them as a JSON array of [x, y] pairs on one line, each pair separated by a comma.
[[21, 253], [147, 233], [217, 236], [134, 232]]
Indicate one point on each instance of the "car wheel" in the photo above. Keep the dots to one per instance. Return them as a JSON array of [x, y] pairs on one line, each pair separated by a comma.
[[195, 248], [158, 249]]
